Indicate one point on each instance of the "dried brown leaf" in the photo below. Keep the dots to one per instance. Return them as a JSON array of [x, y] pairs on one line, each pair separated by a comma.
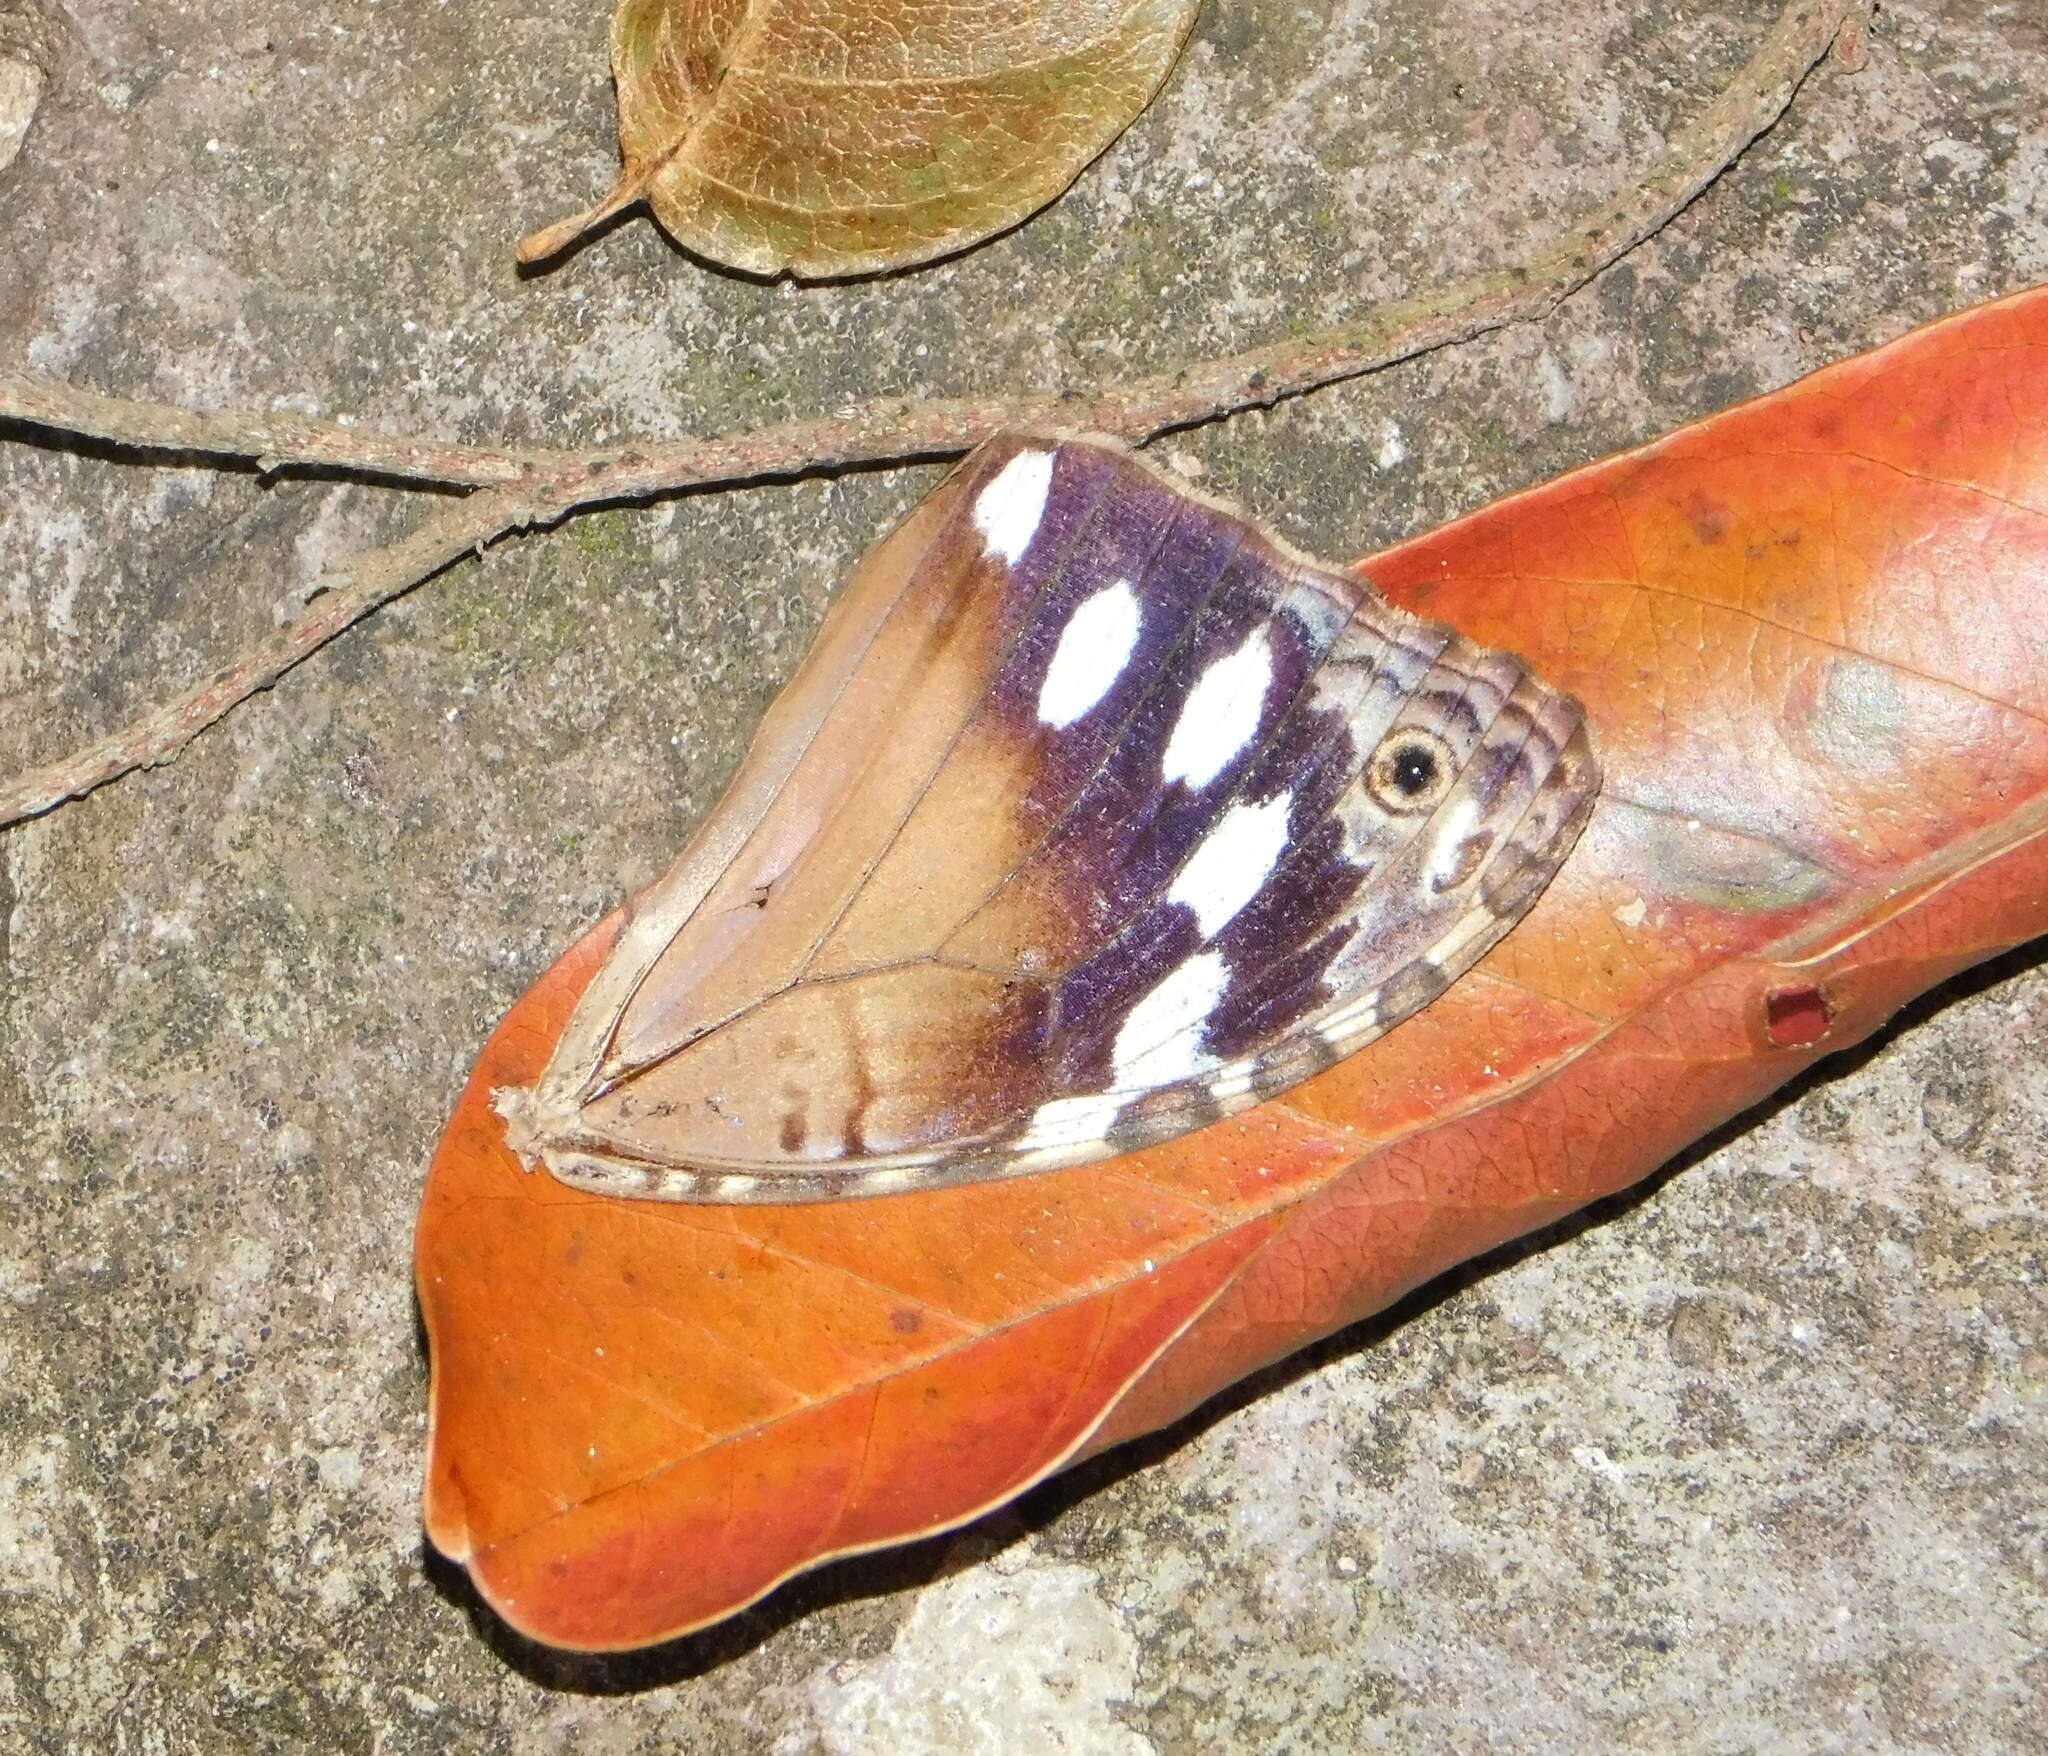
[[834, 137]]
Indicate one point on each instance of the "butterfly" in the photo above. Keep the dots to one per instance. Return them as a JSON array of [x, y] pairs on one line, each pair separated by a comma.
[[1095, 814]]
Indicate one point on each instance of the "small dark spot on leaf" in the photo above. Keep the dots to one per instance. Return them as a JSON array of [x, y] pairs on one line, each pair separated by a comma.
[[1797, 1018], [1709, 519], [905, 1322]]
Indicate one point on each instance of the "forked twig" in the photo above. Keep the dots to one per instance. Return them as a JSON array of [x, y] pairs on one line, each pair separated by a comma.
[[522, 487], [349, 592]]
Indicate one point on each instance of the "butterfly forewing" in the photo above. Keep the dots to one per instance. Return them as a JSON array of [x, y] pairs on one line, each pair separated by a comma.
[[1095, 815]]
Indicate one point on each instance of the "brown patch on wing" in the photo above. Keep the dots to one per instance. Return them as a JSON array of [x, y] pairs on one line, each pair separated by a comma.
[[962, 840], [895, 1060], [834, 821]]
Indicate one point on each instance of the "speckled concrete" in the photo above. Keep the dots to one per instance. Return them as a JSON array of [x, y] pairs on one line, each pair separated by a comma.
[[1752, 1462]]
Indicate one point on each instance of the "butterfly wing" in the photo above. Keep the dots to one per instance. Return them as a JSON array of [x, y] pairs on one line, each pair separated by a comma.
[[1095, 814]]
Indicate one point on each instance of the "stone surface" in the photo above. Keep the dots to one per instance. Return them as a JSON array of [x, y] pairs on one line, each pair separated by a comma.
[[21, 90], [1753, 1460]]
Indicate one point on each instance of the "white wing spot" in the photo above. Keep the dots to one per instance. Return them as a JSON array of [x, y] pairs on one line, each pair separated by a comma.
[[892, 1180], [1227, 1088], [1094, 647], [1007, 511], [1233, 862], [1071, 1121], [1221, 714], [1161, 1042], [1443, 858]]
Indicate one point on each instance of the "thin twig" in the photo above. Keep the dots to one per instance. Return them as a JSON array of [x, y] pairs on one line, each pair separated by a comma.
[[349, 592], [540, 485]]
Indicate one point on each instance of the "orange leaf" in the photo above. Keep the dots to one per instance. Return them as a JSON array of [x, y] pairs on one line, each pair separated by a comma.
[[1807, 635]]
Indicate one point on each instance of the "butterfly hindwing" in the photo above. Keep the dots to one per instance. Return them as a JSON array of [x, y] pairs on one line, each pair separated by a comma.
[[1095, 814]]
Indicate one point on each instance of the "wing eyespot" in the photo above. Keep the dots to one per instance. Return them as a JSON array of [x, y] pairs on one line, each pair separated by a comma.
[[1410, 771]]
